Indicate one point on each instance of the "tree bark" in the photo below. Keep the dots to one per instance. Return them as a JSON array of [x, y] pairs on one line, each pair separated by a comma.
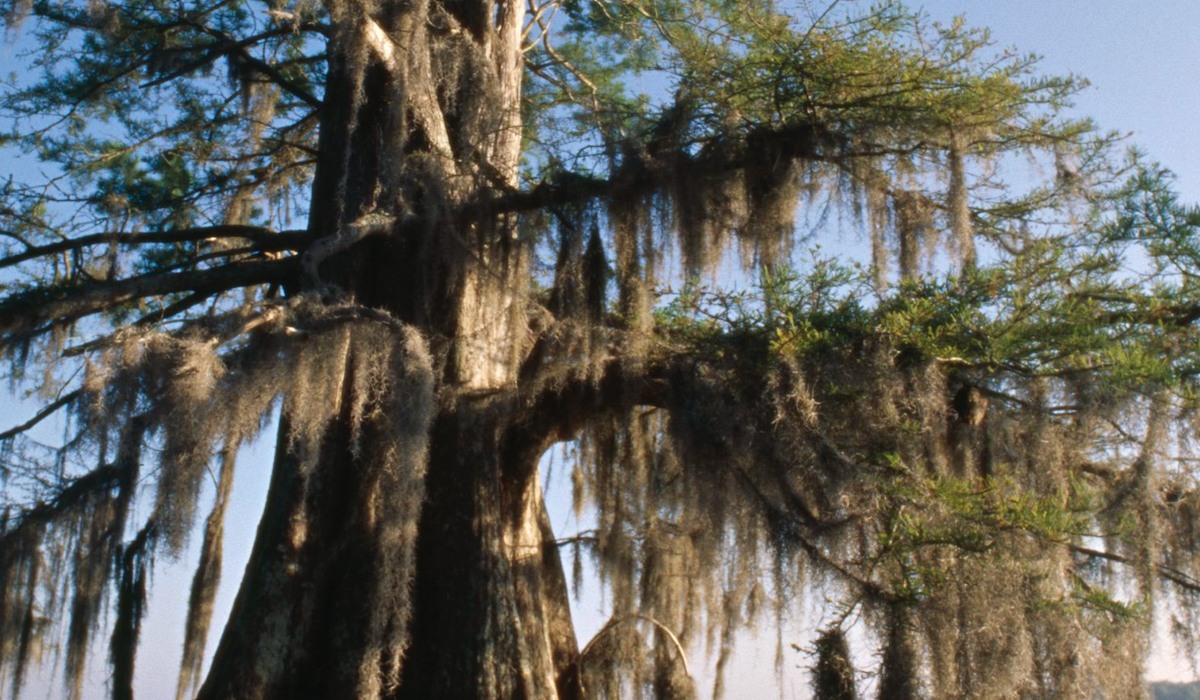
[[488, 598], [491, 617]]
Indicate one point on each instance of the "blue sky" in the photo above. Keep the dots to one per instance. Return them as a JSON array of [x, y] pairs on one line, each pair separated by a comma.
[[1143, 60]]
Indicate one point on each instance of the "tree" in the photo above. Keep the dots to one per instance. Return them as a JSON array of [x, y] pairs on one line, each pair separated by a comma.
[[985, 462]]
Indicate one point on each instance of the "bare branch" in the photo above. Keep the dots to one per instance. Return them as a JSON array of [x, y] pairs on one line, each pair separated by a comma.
[[322, 249], [266, 240], [613, 623], [1179, 578], [41, 415], [25, 313]]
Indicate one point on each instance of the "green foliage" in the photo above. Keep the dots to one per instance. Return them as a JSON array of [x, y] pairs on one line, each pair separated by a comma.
[[1041, 314], [974, 518], [1041, 331], [1060, 307]]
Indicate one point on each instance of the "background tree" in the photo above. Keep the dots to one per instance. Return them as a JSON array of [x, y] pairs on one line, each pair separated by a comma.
[[989, 466]]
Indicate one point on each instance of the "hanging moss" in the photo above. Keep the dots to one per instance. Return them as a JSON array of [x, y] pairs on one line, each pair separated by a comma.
[[957, 202], [204, 582], [833, 673], [899, 677], [130, 609]]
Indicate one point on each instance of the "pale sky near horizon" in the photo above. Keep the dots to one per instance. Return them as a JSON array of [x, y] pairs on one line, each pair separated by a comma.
[[1144, 65]]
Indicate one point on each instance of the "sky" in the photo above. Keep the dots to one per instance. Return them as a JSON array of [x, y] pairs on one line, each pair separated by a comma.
[[1143, 60]]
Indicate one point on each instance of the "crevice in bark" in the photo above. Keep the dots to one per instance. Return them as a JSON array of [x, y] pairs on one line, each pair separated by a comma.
[[491, 610]]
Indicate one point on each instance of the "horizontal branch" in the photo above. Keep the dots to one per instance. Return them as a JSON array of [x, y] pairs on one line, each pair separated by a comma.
[[802, 141], [1175, 576], [587, 536], [156, 316], [26, 313], [265, 239], [41, 415], [1178, 315]]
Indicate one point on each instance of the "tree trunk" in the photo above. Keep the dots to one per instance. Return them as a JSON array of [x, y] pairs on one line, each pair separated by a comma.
[[491, 618], [490, 610], [484, 612]]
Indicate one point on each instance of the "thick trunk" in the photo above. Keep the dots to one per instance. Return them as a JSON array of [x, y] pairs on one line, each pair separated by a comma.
[[469, 601], [490, 615], [490, 602]]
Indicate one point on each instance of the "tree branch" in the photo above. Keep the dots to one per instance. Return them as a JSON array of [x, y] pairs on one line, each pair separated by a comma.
[[76, 490], [266, 240], [41, 415], [24, 313], [278, 78], [558, 410], [802, 141], [349, 235], [614, 622], [228, 46], [789, 529], [1175, 576]]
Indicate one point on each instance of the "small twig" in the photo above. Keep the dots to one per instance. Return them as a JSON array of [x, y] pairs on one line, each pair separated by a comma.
[[585, 536]]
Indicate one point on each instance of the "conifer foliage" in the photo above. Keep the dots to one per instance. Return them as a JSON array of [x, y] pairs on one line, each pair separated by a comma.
[[438, 237]]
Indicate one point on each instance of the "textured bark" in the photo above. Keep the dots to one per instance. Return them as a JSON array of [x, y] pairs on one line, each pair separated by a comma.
[[490, 609], [491, 614]]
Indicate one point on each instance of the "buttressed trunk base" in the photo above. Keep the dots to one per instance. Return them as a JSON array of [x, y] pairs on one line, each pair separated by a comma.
[[485, 614]]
